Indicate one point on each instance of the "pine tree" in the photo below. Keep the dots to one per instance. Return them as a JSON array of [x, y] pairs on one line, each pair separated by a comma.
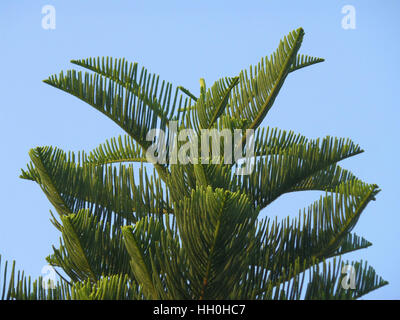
[[136, 228]]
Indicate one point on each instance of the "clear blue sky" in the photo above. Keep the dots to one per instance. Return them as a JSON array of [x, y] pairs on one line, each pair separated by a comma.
[[354, 94]]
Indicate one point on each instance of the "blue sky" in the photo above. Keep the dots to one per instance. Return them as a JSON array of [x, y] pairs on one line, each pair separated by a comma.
[[354, 94]]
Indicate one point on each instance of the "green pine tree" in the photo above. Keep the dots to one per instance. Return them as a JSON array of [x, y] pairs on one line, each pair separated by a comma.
[[193, 231]]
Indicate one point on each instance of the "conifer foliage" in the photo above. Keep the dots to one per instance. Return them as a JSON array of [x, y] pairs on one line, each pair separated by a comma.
[[138, 229]]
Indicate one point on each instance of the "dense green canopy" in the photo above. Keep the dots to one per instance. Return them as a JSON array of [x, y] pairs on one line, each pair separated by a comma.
[[193, 231]]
